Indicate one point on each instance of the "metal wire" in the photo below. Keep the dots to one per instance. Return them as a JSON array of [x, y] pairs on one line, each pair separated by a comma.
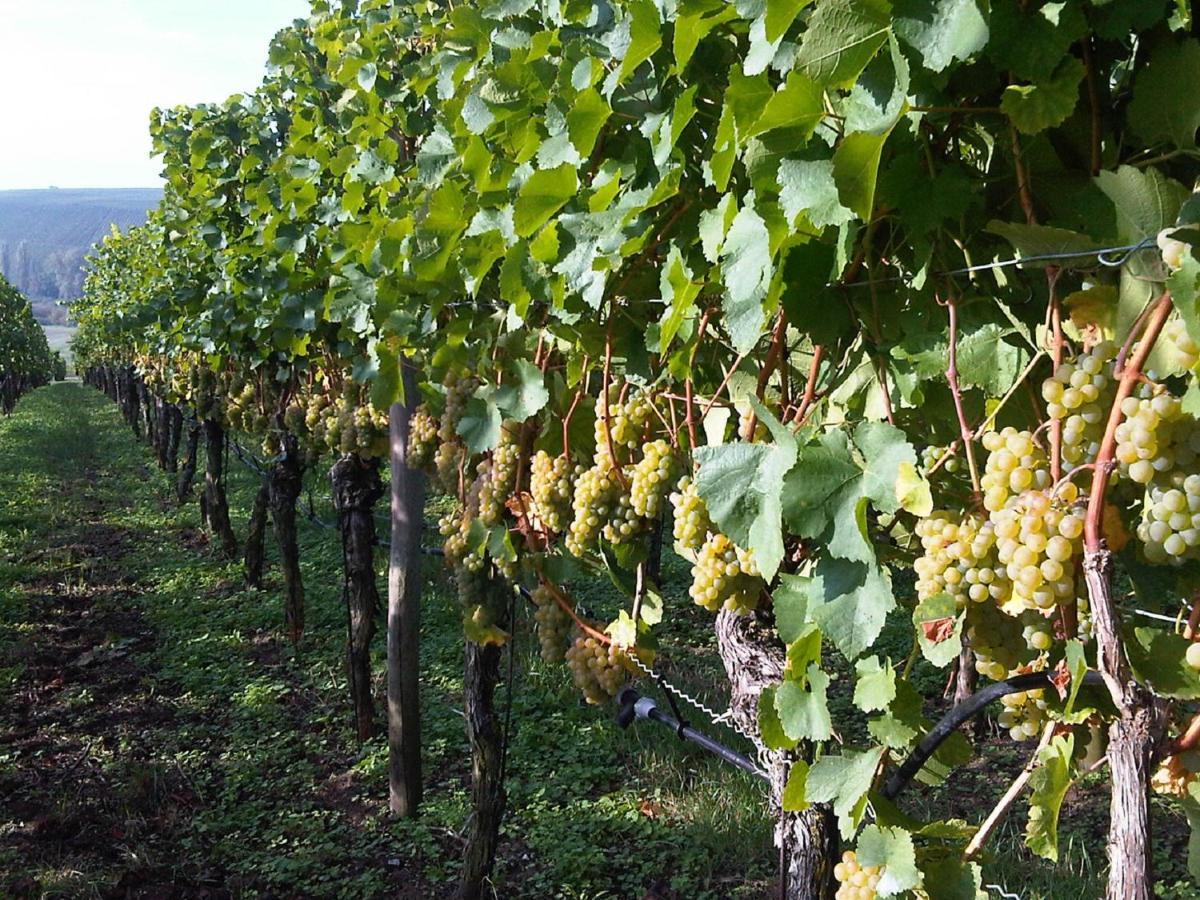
[[1000, 891], [1109, 257]]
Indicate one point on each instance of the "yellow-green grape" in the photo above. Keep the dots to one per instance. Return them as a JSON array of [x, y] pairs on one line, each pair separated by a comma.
[[930, 456], [1037, 541], [1144, 438], [293, 417], [1015, 463], [1170, 526], [593, 502], [598, 669], [855, 881], [1079, 395], [553, 625], [1024, 714], [651, 479], [725, 576], [1174, 251], [1177, 334], [761, 432], [422, 438], [499, 478], [1193, 655], [1038, 631], [996, 639], [451, 454], [692, 524], [552, 484], [626, 422], [959, 560]]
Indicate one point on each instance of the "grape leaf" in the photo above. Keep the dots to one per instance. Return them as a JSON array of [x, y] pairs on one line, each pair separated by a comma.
[[746, 270], [1160, 111], [891, 848], [798, 104], [769, 725], [875, 687], [741, 486], [884, 448], [841, 38], [541, 196], [480, 425], [1049, 782], [807, 187], [844, 782], [856, 170], [1157, 657], [1035, 107], [789, 600], [793, 792], [912, 490], [585, 119], [645, 36], [679, 293], [1146, 201], [939, 629], [527, 396], [879, 94], [804, 712], [849, 602], [941, 30]]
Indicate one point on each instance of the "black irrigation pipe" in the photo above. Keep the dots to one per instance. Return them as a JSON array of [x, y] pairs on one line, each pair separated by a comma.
[[969, 708], [633, 705]]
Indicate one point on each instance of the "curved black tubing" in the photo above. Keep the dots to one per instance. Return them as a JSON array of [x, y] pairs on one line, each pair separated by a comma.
[[969, 708]]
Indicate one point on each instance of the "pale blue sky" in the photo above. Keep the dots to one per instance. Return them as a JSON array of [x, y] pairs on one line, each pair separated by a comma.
[[78, 79]]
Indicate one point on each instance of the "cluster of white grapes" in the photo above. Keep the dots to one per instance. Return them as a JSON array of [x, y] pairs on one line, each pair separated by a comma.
[[422, 438], [958, 559], [856, 881], [451, 453], [552, 483], [598, 669], [497, 476], [1079, 394], [1024, 714], [553, 625], [725, 576]]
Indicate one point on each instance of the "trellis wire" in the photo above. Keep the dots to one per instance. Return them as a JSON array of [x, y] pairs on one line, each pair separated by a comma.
[[1104, 256]]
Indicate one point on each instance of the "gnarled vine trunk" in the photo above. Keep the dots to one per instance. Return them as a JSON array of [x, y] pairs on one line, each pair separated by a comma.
[[487, 777], [187, 472], [215, 502], [254, 557], [357, 487], [404, 612], [287, 477], [174, 432], [807, 841]]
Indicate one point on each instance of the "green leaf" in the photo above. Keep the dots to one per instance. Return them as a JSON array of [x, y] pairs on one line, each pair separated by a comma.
[[769, 725], [807, 187], [985, 359], [1184, 286], [1160, 111], [875, 687], [789, 599], [714, 225], [746, 270], [793, 792], [805, 712], [541, 196], [798, 104], [1049, 782], [1031, 41], [1077, 665], [856, 170], [849, 602], [949, 878], [1146, 201], [844, 782], [1191, 808], [942, 31], [694, 21], [893, 850], [366, 77], [803, 652], [841, 38], [884, 449], [823, 498], [480, 425], [912, 491], [939, 629], [880, 93], [528, 396], [1036, 107], [645, 36], [679, 293], [903, 722], [587, 116], [740, 484], [1157, 658]]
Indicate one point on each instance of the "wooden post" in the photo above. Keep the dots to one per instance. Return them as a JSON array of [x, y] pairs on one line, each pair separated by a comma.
[[404, 612]]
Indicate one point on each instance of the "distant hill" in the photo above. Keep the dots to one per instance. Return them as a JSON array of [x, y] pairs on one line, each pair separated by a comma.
[[45, 234]]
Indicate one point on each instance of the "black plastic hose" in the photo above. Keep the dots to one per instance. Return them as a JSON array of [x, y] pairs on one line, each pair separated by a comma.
[[969, 708]]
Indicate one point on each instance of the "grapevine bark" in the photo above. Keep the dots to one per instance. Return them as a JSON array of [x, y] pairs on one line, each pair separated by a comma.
[[286, 482], [216, 503]]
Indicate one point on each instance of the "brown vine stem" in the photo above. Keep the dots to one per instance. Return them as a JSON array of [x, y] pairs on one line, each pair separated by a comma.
[[1097, 560], [688, 388], [566, 607], [612, 450], [1000, 810], [1056, 349], [810, 386], [951, 304], [764, 374], [566, 425], [1093, 103], [1024, 191], [741, 357], [1193, 622]]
